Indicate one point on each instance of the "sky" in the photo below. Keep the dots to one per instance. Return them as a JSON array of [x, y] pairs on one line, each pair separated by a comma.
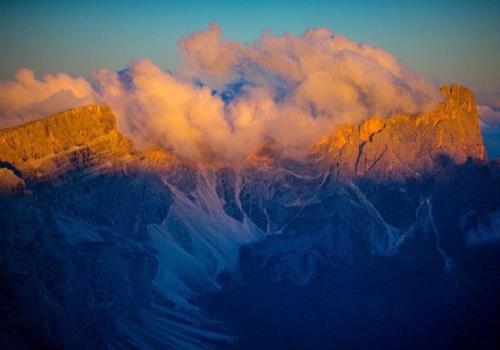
[[444, 40], [158, 64]]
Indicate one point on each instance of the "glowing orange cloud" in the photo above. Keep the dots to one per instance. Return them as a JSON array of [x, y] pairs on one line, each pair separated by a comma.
[[230, 97]]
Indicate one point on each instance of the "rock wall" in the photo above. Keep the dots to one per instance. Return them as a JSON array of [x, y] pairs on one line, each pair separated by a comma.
[[403, 145]]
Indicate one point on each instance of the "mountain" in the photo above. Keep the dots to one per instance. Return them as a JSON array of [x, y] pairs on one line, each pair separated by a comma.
[[86, 220], [44, 149], [402, 146], [107, 246]]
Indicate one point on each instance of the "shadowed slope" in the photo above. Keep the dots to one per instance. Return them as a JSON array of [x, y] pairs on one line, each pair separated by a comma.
[[105, 240]]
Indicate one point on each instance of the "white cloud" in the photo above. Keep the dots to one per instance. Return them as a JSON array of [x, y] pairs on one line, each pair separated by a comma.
[[230, 97], [488, 116], [28, 98]]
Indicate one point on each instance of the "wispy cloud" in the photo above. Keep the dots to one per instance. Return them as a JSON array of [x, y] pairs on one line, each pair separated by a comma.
[[489, 116]]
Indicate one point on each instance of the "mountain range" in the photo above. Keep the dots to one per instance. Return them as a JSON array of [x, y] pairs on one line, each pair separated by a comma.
[[385, 234]]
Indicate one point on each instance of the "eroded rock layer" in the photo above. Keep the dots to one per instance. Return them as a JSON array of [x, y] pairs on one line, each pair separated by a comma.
[[80, 138]]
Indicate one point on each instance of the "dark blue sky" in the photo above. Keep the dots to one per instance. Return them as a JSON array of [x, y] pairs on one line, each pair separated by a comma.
[[444, 40]]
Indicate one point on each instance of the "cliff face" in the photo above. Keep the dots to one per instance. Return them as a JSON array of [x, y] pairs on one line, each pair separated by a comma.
[[403, 145], [78, 138]]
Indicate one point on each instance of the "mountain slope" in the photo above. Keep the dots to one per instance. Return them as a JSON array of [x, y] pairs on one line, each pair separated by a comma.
[[104, 240]]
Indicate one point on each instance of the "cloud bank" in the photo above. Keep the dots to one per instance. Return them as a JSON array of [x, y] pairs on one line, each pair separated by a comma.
[[489, 116], [229, 98]]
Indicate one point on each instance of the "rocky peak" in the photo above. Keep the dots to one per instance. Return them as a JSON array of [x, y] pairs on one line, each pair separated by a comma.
[[459, 96], [403, 145], [46, 148]]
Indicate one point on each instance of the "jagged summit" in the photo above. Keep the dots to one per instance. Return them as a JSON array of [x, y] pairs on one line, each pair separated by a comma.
[[462, 96], [405, 145]]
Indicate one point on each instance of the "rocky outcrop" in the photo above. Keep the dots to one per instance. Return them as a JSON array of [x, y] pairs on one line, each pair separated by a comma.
[[10, 184], [403, 145], [84, 137]]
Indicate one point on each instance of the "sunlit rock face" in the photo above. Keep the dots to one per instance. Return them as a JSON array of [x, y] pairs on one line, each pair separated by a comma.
[[405, 146], [10, 184], [76, 139], [102, 239]]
